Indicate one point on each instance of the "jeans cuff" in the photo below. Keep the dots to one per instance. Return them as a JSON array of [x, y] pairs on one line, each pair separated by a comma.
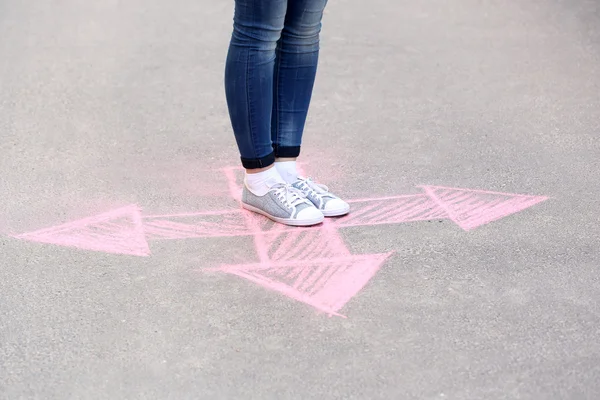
[[253, 163], [286, 151]]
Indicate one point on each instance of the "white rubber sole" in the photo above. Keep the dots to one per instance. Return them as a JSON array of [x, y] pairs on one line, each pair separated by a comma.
[[336, 213], [285, 221]]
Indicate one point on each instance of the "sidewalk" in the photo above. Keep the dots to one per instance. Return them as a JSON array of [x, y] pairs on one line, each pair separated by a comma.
[[465, 135]]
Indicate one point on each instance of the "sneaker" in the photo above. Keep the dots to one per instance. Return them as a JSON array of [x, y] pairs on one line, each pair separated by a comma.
[[284, 204], [329, 204]]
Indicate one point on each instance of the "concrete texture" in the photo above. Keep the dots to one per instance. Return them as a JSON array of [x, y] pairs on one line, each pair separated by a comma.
[[107, 103]]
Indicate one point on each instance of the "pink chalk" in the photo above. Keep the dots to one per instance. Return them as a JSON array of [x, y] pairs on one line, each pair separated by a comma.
[[194, 214], [118, 231], [310, 265], [313, 264], [392, 210], [306, 244], [470, 208], [198, 225], [325, 284], [252, 222]]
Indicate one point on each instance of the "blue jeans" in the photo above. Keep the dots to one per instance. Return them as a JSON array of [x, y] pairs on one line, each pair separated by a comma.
[[270, 74]]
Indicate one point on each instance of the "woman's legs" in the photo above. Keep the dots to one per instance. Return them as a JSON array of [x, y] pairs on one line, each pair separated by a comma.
[[249, 90], [269, 77]]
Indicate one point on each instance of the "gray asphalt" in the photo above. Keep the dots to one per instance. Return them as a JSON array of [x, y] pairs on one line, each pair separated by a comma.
[[109, 103]]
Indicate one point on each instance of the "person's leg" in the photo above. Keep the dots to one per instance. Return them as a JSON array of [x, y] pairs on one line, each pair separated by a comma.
[[249, 92], [249, 77], [295, 71]]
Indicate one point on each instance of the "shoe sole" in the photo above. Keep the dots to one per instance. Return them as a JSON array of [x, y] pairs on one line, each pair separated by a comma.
[[336, 213], [285, 221]]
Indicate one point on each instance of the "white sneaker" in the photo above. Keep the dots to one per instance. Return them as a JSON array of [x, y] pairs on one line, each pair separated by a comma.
[[283, 203], [328, 203]]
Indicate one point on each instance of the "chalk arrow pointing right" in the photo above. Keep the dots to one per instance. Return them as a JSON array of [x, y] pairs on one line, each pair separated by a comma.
[[468, 208]]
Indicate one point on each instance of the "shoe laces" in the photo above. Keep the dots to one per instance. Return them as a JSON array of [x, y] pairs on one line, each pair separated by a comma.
[[316, 189], [289, 195]]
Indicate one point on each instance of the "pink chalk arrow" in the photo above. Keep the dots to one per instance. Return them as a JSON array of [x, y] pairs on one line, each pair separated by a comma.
[[470, 208], [118, 231], [325, 284], [313, 266]]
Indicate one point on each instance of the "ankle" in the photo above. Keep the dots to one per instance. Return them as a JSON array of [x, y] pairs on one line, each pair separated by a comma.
[[260, 182], [287, 169]]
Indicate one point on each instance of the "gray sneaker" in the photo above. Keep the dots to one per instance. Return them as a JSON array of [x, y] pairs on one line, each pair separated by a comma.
[[329, 204], [284, 204]]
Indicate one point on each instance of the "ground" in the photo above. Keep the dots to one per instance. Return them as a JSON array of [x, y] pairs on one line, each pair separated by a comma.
[[113, 122]]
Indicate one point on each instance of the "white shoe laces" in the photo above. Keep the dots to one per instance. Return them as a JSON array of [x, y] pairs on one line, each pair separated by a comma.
[[316, 189], [289, 195]]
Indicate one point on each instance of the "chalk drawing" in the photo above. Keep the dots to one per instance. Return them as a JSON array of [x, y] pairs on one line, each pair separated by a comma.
[[195, 225], [118, 231], [313, 264], [326, 284], [392, 210], [472, 208]]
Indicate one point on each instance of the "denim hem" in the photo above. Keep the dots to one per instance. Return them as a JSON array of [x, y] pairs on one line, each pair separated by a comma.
[[253, 163], [286, 151]]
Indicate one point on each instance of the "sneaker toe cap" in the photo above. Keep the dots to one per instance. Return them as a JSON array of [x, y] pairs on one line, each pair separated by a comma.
[[336, 207], [309, 214]]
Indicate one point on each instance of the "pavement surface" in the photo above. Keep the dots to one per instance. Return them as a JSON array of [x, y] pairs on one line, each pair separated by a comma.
[[109, 103]]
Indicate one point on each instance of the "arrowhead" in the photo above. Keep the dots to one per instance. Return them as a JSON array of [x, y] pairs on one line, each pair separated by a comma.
[[325, 284], [119, 231], [472, 208]]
